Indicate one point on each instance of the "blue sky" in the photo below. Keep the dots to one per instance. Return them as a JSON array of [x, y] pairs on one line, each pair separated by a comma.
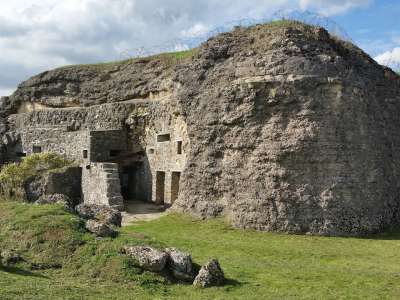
[[37, 35], [375, 28]]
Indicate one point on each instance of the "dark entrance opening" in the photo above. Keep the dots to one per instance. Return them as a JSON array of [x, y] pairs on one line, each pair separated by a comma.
[[175, 178], [36, 149], [132, 182], [160, 187]]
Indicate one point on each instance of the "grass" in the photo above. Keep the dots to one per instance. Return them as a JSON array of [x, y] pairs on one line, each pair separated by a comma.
[[258, 265], [169, 59]]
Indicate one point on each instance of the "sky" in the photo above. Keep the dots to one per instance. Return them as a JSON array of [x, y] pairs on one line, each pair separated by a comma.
[[43, 34]]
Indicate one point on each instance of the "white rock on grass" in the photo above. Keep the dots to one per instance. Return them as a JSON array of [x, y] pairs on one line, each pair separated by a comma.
[[210, 274], [180, 264], [148, 258]]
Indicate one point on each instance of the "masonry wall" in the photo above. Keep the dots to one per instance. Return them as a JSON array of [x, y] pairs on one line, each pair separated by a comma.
[[160, 130], [101, 185], [57, 139], [152, 134], [106, 145]]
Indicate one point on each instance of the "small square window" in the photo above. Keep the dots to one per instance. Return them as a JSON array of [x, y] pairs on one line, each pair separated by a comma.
[[163, 138], [151, 151], [37, 149], [114, 153]]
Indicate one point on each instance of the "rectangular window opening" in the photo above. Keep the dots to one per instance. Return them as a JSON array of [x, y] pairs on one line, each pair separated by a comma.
[[163, 138], [37, 149], [179, 147], [85, 154], [114, 153]]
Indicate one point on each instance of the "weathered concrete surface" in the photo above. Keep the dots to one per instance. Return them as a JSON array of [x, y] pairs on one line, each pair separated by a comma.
[[291, 130], [101, 213], [288, 128], [209, 275], [100, 229], [147, 257], [65, 181], [180, 264]]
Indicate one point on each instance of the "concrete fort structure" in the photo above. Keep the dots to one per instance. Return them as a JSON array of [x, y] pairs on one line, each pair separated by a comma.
[[277, 127], [120, 162]]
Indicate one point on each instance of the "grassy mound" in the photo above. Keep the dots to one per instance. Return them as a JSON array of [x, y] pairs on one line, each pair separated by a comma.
[[14, 175], [44, 235], [258, 265], [54, 243]]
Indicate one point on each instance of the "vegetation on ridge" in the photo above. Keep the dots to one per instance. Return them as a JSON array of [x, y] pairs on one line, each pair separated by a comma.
[[173, 58], [168, 58]]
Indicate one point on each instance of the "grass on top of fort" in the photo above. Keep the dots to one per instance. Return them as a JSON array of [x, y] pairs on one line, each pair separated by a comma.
[[258, 265]]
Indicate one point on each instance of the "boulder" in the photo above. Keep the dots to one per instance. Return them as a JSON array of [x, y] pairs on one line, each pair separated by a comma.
[[55, 198], [102, 213], [180, 264], [210, 274], [9, 257], [148, 258], [100, 229]]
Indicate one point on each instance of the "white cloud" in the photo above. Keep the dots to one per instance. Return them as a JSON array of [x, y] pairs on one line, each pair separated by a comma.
[[196, 30], [329, 8], [390, 58], [36, 35]]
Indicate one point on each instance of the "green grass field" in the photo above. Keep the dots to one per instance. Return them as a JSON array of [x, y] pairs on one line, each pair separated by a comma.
[[258, 265]]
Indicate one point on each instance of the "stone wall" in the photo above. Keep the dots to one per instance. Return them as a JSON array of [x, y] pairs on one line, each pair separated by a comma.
[[57, 139], [66, 181], [162, 134], [106, 145], [98, 117], [101, 185]]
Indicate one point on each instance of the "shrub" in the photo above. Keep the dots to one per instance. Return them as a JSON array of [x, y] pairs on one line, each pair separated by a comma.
[[13, 176]]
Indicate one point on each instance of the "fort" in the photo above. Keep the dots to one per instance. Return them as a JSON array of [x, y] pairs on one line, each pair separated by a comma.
[[277, 127], [126, 151]]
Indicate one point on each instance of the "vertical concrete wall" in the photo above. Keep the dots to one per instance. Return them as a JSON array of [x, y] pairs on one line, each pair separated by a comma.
[[157, 130], [101, 185], [57, 139], [104, 142]]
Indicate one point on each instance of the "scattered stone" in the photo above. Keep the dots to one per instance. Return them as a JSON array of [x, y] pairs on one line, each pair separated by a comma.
[[180, 264], [210, 274], [100, 229], [10, 257], [148, 258], [45, 266], [104, 214]]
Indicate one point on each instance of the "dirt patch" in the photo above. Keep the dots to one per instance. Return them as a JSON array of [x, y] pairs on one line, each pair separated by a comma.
[[141, 211]]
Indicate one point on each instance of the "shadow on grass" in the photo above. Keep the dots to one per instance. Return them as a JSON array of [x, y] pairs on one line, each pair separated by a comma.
[[388, 234], [233, 282], [19, 271]]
